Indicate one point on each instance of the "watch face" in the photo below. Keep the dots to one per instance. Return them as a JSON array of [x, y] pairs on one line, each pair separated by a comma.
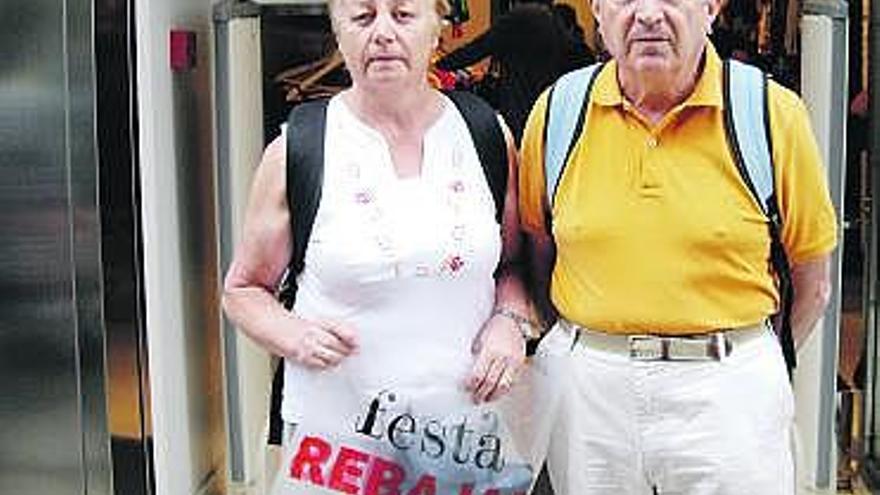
[[528, 329]]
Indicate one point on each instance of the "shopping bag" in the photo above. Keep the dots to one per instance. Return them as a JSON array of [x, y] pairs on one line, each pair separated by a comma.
[[424, 438]]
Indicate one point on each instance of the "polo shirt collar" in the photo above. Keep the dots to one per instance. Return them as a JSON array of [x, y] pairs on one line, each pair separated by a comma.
[[706, 93]]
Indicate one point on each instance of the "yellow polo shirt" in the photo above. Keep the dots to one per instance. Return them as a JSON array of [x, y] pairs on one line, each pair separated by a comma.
[[655, 230]]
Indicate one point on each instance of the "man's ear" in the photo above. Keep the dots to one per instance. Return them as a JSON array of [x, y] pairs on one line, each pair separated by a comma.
[[713, 8]]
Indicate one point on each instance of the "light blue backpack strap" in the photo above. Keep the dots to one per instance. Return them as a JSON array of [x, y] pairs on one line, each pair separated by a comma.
[[565, 110], [746, 120]]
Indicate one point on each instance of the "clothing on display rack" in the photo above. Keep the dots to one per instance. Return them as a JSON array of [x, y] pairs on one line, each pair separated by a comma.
[[319, 79]]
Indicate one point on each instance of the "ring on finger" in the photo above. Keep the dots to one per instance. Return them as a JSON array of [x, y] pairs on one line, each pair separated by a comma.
[[505, 382]]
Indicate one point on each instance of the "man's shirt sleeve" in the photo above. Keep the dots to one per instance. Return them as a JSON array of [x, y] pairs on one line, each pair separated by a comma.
[[809, 220]]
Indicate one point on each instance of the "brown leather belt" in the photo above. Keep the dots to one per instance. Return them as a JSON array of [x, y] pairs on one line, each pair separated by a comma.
[[711, 346]]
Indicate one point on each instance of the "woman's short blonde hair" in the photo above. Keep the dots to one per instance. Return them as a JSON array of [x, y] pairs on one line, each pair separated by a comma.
[[440, 6]]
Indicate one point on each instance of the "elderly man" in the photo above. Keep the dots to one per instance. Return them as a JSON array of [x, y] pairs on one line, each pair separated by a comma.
[[666, 268]]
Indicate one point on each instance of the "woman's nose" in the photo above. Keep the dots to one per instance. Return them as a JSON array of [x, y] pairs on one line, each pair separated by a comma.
[[383, 29]]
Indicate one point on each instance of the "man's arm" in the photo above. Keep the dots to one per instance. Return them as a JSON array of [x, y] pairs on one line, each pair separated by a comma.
[[809, 221], [541, 253], [812, 289]]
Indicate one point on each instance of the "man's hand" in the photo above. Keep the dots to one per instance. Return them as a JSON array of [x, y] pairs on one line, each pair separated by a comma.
[[500, 356], [320, 344]]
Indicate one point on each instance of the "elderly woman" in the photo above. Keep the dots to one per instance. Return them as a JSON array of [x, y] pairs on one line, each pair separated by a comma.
[[405, 246]]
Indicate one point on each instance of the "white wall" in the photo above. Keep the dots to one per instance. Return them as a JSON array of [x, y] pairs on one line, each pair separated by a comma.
[[179, 249]]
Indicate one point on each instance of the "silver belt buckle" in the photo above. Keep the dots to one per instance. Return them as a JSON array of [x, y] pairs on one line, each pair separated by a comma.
[[712, 347], [697, 348], [646, 348]]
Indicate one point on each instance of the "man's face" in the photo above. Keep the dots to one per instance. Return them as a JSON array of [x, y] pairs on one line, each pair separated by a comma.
[[386, 41], [655, 36]]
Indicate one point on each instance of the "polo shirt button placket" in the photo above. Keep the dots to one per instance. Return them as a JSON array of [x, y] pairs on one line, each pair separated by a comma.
[[652, 142]]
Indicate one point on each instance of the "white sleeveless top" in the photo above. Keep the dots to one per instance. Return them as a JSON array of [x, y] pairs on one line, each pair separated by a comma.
[[408, 262]]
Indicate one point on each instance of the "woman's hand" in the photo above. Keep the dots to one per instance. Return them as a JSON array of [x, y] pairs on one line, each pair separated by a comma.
[[500, 347], [500, 356], [320, 344]]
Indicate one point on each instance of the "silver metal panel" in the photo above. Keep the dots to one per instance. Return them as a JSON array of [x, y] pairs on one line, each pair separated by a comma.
[[196, 213], [825, 467], [85, 234], [239, 145], [815, 89], [835, 9], [128, 397], [831, 108], [181, 303], [53, 439], [235, 454]]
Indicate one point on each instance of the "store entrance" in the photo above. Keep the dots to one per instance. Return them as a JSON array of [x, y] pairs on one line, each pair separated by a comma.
[[859, 322]]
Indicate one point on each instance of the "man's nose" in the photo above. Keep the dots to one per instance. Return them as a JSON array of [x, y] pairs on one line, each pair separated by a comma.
[[649, 12]]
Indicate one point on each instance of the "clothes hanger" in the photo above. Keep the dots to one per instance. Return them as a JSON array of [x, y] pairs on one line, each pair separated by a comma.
[[303, 82]]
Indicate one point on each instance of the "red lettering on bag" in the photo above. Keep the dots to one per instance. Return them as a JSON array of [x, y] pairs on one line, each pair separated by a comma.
[[384, 478], [348, 470], [467, 489], [313, 452], [427, 485]]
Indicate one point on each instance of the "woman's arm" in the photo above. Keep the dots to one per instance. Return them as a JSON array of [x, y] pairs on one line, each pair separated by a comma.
[[260, 260], [500, 345]]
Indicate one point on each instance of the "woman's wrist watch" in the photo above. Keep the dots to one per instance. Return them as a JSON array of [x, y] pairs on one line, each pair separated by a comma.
[[530, 331]]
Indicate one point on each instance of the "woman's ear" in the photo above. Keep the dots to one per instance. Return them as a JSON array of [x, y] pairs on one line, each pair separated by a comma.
[[595, 7]]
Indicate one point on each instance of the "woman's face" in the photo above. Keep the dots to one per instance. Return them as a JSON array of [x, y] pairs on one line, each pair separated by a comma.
[[386, 43]]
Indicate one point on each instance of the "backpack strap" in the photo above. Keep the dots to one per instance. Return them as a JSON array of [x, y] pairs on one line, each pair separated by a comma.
[[482, 122], [747, 126], [305, 177], [745, 118], [567, 106], [306, 124]]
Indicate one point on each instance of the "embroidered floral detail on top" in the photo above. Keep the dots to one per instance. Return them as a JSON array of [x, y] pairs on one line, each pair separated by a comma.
[[456, 250], [364, 197], [454, 263]]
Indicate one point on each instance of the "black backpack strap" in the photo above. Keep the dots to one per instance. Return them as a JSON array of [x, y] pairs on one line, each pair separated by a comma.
[[306, 124], [482, 122], [305, 178], [779, 258], [276, 424]]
